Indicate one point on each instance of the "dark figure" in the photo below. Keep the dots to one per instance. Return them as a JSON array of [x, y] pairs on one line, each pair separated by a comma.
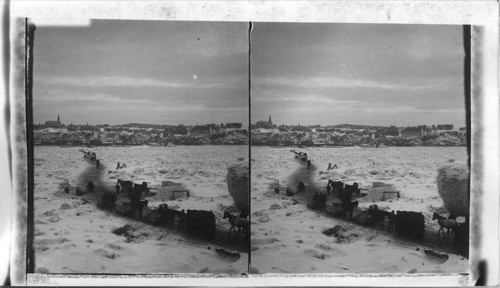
[[340, 193], [377, 216], [301, 187], [117, 189], [79, 192], [309, 164], [315, 201], [125, 186], [134, 194], [167, 216], [392, 221], [322, 202], [449, 224], [289, 191], [201, 222], [240, 223], [348, 208], [337, 187], [90, 186], [108, 201], [350, 190], [66, 189], [118, 166], [276, 190], [181, 215], [97, 163], [329, 166], [138, 206], [328, 189], [345, 196]]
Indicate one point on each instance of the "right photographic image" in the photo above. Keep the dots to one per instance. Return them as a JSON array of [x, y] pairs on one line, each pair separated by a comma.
[[359, 159]]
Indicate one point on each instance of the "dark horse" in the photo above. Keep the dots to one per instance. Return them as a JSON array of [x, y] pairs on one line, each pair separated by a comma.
[[449, 224], [240, 223]]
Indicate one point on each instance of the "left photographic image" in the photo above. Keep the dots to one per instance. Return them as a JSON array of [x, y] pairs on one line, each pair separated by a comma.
[[140, 132]]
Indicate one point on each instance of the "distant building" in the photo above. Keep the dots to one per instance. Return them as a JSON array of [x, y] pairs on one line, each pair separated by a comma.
[[265, 124], [53, 124]]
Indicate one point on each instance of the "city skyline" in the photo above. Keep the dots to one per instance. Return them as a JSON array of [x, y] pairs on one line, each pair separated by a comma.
[[254, 121], [170, 73]]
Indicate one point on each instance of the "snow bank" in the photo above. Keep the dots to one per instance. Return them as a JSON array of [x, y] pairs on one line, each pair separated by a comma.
[[237, 185], [453, 187]]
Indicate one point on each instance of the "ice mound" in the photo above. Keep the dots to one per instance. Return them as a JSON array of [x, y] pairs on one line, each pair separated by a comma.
[[381, 184], [453, 187], [237, 185], [342, 232], [166, 192], [376, 192], [317, 254], [331, 175]]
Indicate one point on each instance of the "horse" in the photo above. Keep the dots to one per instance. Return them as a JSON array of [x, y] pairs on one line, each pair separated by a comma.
[[134, 193], [352, 189], [90, 186], [322, 202], [181, 215], [348, 207], [138, 206], [167, 215], [301, 187], [377, 216], [107, 201], [240, 223], [380, 219], [337, 186], [201, 222], [449, 224], [125, 186], [392, 220]]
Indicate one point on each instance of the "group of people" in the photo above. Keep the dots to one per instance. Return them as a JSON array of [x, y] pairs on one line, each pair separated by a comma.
[[92, 156], [319, 201], [120, 166], [330, 167], [301, 187], [302, 155], [342, 191], [78, 192]]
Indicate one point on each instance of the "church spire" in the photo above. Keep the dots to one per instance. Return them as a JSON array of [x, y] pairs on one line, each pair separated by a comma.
[[58, 120], [270, 119]]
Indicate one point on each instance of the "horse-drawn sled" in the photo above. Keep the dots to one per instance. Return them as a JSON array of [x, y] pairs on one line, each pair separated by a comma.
[[88, 154]]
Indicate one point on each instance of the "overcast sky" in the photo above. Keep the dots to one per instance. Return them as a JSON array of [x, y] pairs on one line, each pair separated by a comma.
[[197, 72], [119, 72], [357, 74]]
